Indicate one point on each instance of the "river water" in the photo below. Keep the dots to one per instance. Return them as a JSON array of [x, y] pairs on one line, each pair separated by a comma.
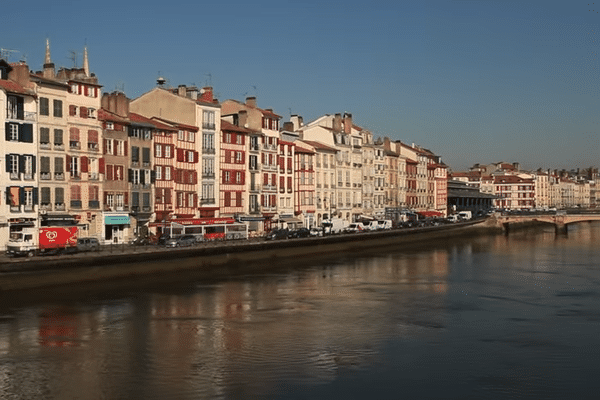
[[494, 317]]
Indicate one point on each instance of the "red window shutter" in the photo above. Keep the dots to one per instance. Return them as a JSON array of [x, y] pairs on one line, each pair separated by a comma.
[[72, 109], [179, 154], [227, 199], [243, 157], [281, 182], [121, 175], [270, 159], [289, 182], [83, 112], [223, 176], [273, 200], [266, 179], [290, 164], [104, 146], [84, 164], [274, 178], [281, 162], [238, 199], [227, 156], [262, 158], [126, 198], [101, 166], [85, 90], [115, 147], [172, 150], [196, 157], [78, 89], [68, 161], [95, 92], [125, 145], [262, 200], [168, 196], [109, 172], [243, 178]]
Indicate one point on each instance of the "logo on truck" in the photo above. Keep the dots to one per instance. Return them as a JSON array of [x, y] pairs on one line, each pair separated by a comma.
[[51, 236]]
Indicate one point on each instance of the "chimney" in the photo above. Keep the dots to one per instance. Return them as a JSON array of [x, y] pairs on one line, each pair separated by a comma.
[[243, 118], [288, 126], [207, 94], [337, 122], [181, 90], [347, 123], [192, 92], [251, 101], [122, 104], [20, 74], [297, 122]]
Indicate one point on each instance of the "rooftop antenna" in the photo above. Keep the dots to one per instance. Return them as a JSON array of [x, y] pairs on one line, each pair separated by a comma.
[[290, 110], [5, 53], [255, 91], [120, 86], [209, 80], [73, 57]]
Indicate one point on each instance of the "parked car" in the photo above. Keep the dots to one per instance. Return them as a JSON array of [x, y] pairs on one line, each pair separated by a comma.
[[88, 244], [315, 231], [355, 227], [278, 234], [181, 241], [141, 241], [299, 233]]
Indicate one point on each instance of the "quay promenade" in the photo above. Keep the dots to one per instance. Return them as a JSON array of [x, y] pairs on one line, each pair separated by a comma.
[[209, 260]]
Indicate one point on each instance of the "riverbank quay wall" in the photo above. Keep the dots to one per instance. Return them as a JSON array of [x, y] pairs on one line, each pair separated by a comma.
[[211, 261]]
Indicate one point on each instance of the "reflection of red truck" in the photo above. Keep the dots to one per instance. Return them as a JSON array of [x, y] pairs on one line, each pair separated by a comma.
[[54, 236]]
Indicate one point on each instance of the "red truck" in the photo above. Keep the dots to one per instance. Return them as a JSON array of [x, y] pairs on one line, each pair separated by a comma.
[[56, 235]]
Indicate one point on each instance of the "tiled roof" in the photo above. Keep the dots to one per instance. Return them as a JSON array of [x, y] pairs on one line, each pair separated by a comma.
[[13, 87], [176, 124], [160, 126], [228, 126], [104, 115], [319, 145]]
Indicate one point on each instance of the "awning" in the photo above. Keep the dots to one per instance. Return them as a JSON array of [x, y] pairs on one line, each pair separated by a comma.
[[290, 219], [430, 213]]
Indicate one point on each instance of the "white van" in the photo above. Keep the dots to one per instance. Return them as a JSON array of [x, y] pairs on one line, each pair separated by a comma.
[[465, 215], [334, 225], [355, 227], [384, 224]]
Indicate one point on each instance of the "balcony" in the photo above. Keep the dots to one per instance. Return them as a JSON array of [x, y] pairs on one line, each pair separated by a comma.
[[93, 146], [207, 201], [45, 176], [45, 146], [59, 176], [14, 176], [59, 206], [95, 204], [59, 146], [208, 150], [208, 126], [255, 187], [76, 204], [45, 207], [93, 176], [74, 145]]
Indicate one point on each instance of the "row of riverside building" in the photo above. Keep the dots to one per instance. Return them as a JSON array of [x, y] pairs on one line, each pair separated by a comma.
[[123, 167], [514, 188]]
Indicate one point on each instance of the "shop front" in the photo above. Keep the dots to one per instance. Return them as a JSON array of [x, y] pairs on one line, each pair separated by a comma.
[[116, 227]]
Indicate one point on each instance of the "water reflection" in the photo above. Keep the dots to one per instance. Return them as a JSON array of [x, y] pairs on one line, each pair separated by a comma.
[[434, 310]]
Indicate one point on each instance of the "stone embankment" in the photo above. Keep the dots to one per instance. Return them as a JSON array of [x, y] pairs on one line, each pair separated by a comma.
[[209, 260]]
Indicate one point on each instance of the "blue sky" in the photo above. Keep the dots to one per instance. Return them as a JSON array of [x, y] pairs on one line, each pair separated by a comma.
[[475, 81]]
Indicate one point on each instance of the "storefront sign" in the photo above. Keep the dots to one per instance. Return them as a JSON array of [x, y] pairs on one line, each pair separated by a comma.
[[116, 220]]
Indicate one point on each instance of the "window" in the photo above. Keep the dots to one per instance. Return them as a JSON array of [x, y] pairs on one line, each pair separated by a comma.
[[28, 167], [74, 167], [191, 137], [167, 151], [181, 135], [135, 154], [58, 168], [13, 165], [120, 147], [45, 168], [208, 167], [168, 173], [13, 132], [208, 120], [238, 157], [44, 137], [58, 137], [158, 172], [44, 106], [146, 156], [190, 156], [58, 108], [158, 150], [208, 141]]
